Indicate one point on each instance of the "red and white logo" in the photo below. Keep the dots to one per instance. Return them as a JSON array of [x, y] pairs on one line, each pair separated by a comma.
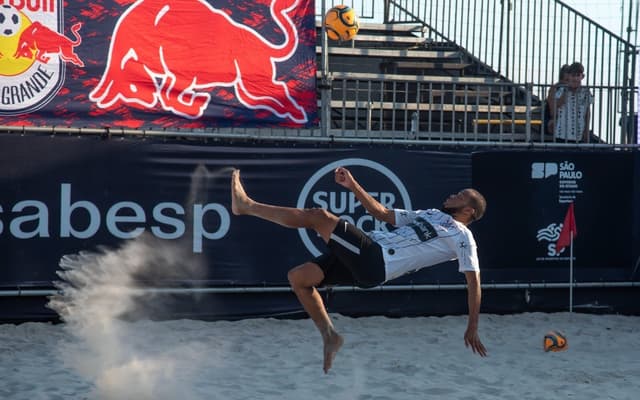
[[34, 49]]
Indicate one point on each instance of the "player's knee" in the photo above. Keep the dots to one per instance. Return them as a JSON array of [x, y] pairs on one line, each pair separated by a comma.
[[294, 275], [304, 276], [322, 220], [321, 214]]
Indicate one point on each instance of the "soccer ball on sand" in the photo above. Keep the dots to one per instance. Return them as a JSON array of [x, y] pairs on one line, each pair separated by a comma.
[[555, 341]]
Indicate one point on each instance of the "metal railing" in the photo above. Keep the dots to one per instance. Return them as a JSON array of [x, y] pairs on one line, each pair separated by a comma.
[[423, 109], [529, 40], [478, 112], [420, 110]]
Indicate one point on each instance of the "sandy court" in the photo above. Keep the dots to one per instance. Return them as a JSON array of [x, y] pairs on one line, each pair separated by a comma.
[[383, 358]]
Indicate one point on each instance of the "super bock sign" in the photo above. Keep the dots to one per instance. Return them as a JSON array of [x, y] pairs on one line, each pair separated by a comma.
[[318, 192]]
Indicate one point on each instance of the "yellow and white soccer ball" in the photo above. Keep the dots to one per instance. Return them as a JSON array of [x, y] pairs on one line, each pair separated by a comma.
[[341, 23], [555, 341]]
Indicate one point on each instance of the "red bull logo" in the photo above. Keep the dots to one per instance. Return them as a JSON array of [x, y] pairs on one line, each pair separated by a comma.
[[41, 42], [171, 55], [33, 53]]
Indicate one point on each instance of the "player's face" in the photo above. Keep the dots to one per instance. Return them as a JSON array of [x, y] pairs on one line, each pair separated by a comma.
[[458, 200]]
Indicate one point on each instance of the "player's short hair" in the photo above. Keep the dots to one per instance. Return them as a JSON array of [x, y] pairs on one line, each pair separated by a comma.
[[478, 203]]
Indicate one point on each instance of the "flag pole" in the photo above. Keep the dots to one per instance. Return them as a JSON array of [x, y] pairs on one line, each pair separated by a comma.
[[571, 273], [567, 233]]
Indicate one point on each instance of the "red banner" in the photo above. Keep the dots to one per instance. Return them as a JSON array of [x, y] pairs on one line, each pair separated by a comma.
[[158, 64]]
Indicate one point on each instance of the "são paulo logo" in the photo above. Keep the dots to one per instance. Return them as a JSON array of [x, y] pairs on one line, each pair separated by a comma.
[[33, 51], [321, 191]]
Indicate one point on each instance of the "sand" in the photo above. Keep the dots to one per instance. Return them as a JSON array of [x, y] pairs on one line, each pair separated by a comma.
[[95, 354], [383, 358]]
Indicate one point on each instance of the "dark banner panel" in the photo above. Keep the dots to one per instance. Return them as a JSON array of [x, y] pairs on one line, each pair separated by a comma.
[[165, 205], [529, 193], [636, 218], [157, 64], [170, 201]]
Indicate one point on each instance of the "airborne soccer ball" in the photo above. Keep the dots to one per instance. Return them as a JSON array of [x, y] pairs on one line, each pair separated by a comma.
[[9, 20], [341, 23], [555, 341]]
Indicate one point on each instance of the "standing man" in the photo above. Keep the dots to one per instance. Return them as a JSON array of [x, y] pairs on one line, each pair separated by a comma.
[[422, 238], [570, 104]]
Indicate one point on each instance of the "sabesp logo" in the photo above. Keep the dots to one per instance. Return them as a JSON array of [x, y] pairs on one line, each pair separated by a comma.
[[321, 191], [33, 49], [83, 219]]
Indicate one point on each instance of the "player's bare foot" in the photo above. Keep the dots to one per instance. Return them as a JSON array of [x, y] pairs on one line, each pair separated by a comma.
[[240, 202], [332, 344]]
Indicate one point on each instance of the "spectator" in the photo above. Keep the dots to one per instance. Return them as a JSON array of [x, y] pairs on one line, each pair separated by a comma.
[[569, 104], [550, 104]]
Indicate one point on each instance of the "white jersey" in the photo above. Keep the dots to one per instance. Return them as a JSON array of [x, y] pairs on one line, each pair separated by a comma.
[[571, 117], [424, 238]]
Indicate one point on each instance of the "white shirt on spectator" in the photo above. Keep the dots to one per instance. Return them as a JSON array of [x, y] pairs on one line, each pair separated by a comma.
[[571, 116]]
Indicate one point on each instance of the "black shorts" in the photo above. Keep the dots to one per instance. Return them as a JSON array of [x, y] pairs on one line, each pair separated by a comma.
[[353, 259]]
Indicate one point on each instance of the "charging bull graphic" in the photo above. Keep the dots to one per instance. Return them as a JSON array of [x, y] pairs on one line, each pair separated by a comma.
[[43, 40], [172, 53]]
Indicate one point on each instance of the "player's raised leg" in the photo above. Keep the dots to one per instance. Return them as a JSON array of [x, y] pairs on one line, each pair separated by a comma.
[[317, 219]]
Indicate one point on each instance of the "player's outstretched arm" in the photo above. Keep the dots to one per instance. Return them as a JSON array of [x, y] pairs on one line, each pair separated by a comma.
[[344, 178], [471, 337]]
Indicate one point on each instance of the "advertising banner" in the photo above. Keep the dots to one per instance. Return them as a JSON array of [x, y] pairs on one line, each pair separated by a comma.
[[167, 204], [635, 239], [158, 64], [530, 194]]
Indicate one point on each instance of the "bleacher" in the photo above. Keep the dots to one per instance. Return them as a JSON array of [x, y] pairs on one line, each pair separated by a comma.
[[447, 71], [392, 82], [484, 68]]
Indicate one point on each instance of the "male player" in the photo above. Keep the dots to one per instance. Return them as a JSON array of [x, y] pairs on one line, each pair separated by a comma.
[[422, 238]]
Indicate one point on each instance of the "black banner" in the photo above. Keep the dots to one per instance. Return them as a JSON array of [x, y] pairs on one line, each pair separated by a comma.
[[635, 240], [529, 192], [63, 195], [165, 205]]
